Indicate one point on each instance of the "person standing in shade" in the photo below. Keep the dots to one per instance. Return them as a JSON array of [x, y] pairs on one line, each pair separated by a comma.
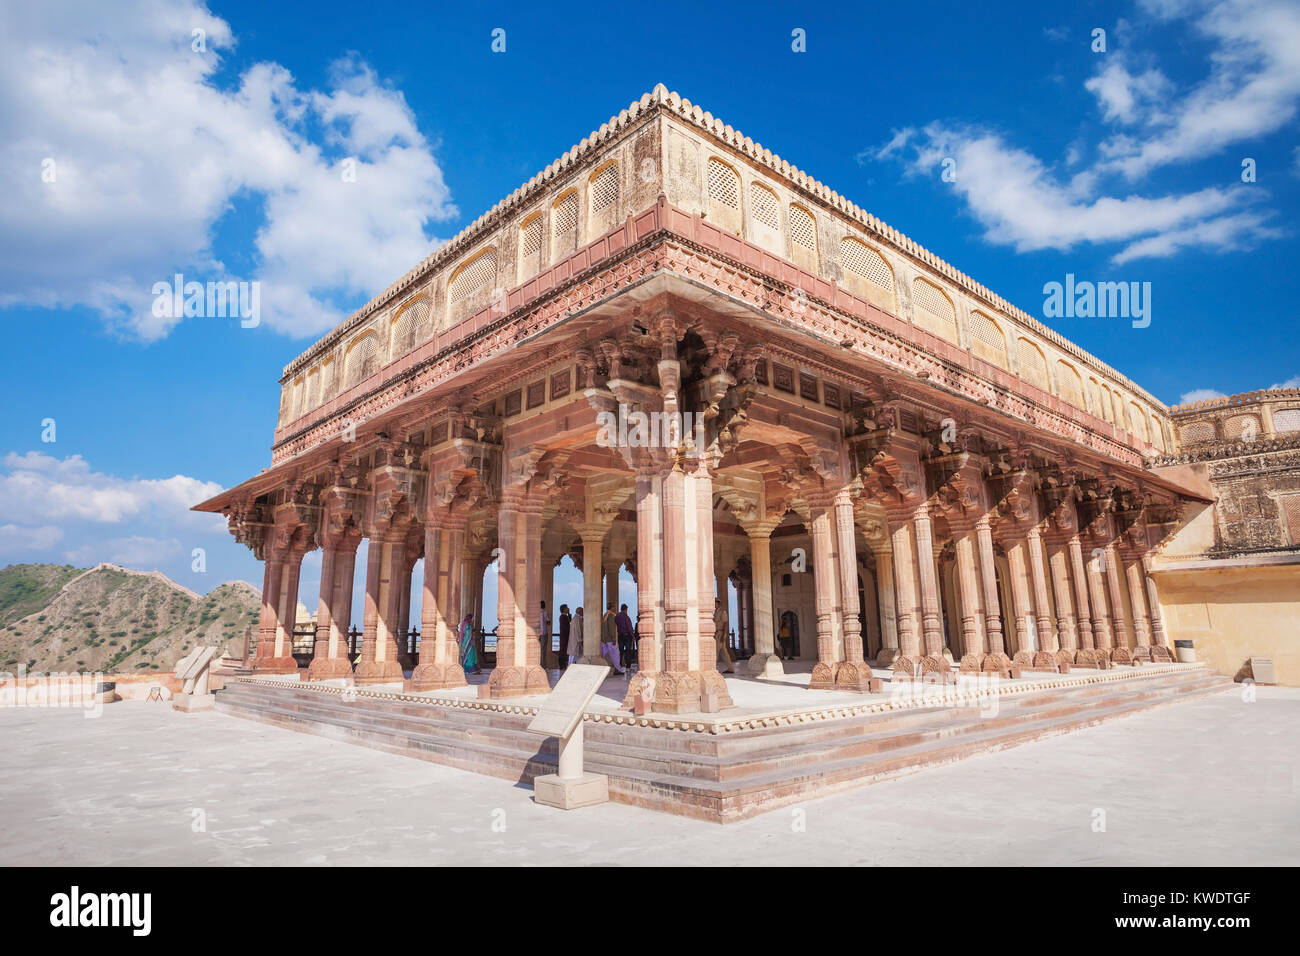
[[726, 663], [783, 638], [565, 623], [544, 635], [623, 624], [609, 638], [575, 637], [468, 647]]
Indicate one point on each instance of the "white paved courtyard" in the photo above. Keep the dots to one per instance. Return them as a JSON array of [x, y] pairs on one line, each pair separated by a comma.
[[1214, 781]]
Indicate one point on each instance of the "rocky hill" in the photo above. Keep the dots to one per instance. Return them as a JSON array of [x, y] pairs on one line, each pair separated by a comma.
[[110, 619]]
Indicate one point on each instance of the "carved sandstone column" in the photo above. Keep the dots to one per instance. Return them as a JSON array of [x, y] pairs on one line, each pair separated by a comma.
[[907, 595], [518, 671], [1048, 638], [1159, 639], [379, 648], [931, 621], [853, 673], [592, 540], [1120, 653], [1066, 624], [1016, 548], [444, 545], [995, 659], [826, 589], [885, 587], [334, 613], [1086, 655], [1141, 620], [765, 662], [968, 594], [1101, 617]]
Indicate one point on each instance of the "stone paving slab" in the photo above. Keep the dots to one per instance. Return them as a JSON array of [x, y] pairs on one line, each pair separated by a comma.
[[1213, 781]]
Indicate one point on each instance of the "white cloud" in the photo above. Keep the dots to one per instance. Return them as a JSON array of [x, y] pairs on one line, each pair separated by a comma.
[[1021, 202], [1125, 97], [1031, 204], [16, 540], [39, 487], [1252, 88], [1292, 382], [149, 152], [1199, 395], [133, 552]]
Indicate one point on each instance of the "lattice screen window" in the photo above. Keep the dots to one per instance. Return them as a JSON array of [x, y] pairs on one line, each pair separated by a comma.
[[724, 184], [531, 241], [530, 247], [1094, 397], [1139, 421], [724, 196], [603, 198], [405, 325], [604, 190], [1242, 427], [1286, 420], [934, 310], [987, 340], [475, 276], [362, 358], [1289, 505], [803, 228], [1033, 367], [313, 389], [1070, 383], [1194, 432], [296, 407], [564, 224], [861, 260], [764, 206], [327, 370]]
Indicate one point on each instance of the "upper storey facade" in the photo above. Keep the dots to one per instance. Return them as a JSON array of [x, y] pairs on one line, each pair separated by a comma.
[[588, 205]]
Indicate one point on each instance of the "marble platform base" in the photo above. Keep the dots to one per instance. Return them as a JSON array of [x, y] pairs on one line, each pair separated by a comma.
[[585, 791]]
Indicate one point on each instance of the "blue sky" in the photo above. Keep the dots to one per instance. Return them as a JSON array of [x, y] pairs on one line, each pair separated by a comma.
[[223, 163]]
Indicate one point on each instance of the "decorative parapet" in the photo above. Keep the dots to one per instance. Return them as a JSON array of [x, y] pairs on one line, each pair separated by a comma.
[[592, 150]]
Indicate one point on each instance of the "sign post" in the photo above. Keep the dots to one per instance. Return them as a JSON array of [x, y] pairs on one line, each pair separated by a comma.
[[193, 671], [561, 717]]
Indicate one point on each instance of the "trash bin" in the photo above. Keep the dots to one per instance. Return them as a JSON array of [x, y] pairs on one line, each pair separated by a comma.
[[1184, 652]]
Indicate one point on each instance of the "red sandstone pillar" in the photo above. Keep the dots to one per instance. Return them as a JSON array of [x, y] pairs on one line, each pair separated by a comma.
[[518, 669], [996, 659], [854, 672], [1100, 610], [1066, 623], [1085, 655], [334, 613], [440, 605], [268, 659], [379, 649], [826, 589], [907, 596], [1159, 639], [968, 595], [699, 481], [1120, 653], [1021, 610], [1048, 639], [1141, 620], [931, 621]]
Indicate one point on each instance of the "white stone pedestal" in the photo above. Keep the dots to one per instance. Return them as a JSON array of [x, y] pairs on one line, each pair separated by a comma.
[[586, 790]]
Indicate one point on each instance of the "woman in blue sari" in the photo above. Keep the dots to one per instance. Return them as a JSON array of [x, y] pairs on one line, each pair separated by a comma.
[[468, 650]]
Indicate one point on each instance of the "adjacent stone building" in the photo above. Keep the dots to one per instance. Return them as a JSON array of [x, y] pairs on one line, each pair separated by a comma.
[[1230, 577], [674, 352]]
